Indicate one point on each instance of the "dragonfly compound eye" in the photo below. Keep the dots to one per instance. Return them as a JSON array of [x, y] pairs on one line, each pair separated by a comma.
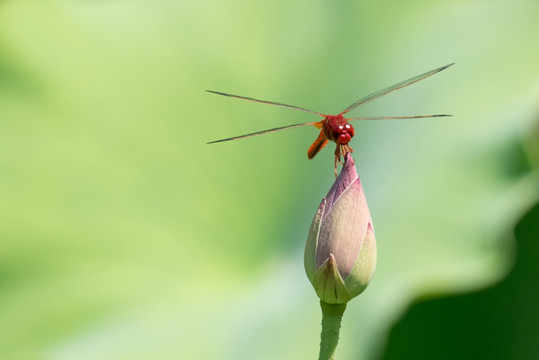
[[345, 134]]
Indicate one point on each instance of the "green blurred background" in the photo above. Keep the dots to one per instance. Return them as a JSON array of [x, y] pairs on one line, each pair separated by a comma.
[[124, 236]]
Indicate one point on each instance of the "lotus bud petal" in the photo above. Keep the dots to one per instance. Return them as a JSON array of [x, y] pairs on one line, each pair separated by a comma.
[[340, 254]]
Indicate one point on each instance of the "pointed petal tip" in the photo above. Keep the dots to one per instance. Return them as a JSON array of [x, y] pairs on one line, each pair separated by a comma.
[[330, 266], [349, 171], [332, 259], [346, 178], [349, 159]]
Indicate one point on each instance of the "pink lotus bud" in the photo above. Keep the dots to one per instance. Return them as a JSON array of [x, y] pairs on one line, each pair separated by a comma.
[[340, 254]]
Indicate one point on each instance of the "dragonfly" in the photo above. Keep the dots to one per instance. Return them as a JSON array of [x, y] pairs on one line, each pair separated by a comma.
[[335, 128]]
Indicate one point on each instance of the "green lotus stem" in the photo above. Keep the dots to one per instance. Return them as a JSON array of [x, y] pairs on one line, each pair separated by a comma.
[[331, 324]]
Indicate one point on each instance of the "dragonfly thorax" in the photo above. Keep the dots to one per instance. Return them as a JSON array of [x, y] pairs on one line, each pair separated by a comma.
[[338, 129]]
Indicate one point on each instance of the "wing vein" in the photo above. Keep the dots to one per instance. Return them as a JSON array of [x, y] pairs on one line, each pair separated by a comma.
[[265, 102], [268, 131], [395, 87], [397, 117]]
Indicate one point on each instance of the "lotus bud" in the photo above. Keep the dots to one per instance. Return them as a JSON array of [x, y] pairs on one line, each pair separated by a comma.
[[340, 254]]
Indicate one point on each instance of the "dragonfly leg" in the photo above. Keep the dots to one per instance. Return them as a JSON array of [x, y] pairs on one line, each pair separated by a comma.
[[348, 149], [338, 154], [341, 151]]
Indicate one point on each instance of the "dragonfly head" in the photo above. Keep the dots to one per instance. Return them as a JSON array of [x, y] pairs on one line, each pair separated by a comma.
[[338, 129], [343, 133]]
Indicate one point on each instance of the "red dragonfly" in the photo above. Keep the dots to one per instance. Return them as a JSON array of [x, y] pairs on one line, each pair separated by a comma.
[[335, 127]]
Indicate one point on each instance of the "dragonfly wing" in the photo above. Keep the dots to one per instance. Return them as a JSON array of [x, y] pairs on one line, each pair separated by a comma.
[[398, 86], [266, 102], [396, 117], [263, 132]]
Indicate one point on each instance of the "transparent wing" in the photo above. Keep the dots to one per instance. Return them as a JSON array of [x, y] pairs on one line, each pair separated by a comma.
[[398, 86], [397, 117], [264, 132], [265, 102]]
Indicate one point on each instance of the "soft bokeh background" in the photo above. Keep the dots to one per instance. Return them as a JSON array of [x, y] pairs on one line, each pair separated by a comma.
[[124, 236]]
